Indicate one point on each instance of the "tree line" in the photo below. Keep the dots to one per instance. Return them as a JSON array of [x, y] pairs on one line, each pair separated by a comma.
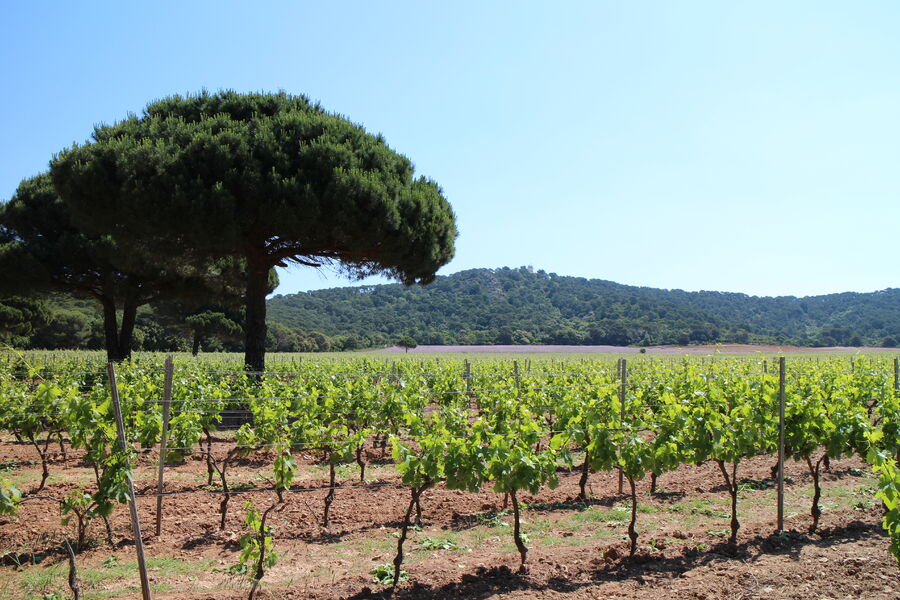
[[481, 306], [524, 306]]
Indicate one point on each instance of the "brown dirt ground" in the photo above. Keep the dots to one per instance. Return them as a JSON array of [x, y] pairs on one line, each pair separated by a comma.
[[576, 550]]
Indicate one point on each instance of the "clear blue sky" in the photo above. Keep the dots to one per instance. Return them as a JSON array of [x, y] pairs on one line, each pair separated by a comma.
[[750, 147]]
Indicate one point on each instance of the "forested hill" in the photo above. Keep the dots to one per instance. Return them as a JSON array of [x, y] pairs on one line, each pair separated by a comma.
[[518, 306]]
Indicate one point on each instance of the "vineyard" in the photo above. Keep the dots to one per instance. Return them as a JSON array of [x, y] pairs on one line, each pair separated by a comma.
[[443, 477]]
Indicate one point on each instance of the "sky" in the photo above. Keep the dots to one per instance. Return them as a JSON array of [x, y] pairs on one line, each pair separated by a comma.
[[746, 147]]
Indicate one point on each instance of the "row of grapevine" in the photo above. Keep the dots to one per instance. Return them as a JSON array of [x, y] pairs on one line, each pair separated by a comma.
[[463, 425]]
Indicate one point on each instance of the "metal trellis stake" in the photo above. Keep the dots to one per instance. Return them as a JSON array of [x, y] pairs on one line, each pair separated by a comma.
[[167, 399], [135, 523]]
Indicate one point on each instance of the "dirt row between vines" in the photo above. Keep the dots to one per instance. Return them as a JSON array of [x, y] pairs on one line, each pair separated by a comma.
[[576, 550]]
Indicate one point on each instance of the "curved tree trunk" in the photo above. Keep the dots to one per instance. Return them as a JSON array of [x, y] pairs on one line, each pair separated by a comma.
[[45, 465], [261, 540], [632, 531], [73, 573], [419, 510], [585, 469], [361, 462], [404, 530], [732, 484], [209, 460], [226, 492], [82, 531], [517, 531], [330, 497], [223, 505], [816, 512], [126, 333]]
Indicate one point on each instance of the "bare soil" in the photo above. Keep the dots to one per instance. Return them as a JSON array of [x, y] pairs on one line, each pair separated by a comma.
[[577, 550]]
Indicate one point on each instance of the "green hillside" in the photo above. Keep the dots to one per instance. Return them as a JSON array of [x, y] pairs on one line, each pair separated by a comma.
[[503, 306], [519, 306]]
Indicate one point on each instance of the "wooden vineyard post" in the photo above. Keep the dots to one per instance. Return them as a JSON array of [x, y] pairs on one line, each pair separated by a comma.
[[619, 377], [167, 399], [896, 376], [780, 526], [623, 370], [516, 374], [897, 392], [135, 523], [468, 376]]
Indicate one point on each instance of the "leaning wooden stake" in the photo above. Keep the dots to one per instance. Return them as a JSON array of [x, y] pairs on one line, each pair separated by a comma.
[[135, 523], [167, 399], [780, 527]]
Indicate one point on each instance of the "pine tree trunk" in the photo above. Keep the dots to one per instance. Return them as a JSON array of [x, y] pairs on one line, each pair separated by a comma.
[[111, 330], [255, 339], [126, 333]]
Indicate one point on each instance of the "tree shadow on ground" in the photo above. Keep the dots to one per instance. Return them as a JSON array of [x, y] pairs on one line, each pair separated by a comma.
[[615, 565], [460, 522]]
